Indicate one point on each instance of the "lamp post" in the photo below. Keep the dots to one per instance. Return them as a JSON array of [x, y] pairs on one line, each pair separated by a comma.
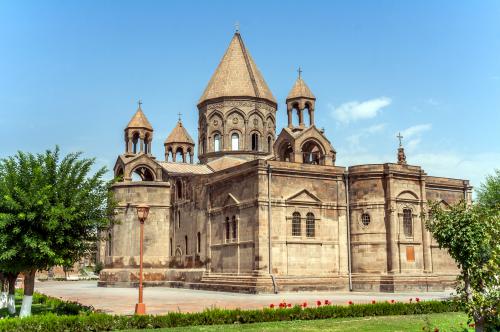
[[142, 214]]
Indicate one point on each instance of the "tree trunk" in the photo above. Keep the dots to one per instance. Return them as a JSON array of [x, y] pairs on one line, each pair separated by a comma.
[[11, 297], [29, 288], [3, 295], [478, 319], [479, 325]]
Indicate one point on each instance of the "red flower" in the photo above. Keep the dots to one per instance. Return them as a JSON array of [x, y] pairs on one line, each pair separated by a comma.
[[289, 305], [327, 302], [392, 301], [417, 299], [282, 305], [436, 329], [373, 302], [411, 299], [350, 303], [271, 306], [318, 303], [304, 304]]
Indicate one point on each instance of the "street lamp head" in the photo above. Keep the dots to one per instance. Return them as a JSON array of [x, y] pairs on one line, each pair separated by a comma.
[[142, 212]]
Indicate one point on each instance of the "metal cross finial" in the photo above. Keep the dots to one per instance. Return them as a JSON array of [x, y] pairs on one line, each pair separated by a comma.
[[179, 114], [400, 139], [300, 71], [237, 27], [139, 102]]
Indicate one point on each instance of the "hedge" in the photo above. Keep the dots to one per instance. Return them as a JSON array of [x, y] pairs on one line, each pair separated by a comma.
[[104, 322]]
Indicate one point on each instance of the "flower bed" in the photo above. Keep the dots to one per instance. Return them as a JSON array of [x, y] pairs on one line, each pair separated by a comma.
[[104, 322]]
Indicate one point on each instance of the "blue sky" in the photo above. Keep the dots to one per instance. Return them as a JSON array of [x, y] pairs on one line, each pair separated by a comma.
[[71, 73]]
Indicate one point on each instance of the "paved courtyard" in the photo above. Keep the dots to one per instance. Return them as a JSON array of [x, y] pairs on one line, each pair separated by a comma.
[[160, 300]]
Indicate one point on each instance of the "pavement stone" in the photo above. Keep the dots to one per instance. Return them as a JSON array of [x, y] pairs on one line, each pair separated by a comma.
[[160, 300]]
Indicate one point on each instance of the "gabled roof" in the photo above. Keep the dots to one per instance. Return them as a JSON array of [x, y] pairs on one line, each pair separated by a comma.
[[184, 168], [300, 90], [224, 162], [139, 120], [237, 75], [179, 135]]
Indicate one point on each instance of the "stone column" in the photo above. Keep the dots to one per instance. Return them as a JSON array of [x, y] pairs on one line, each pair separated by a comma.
[[311, 116], [426, 235], [392, 229], [301, 117], [129, 145], [289, 113]]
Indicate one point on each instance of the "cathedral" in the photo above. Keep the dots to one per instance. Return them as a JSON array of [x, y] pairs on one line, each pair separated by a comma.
[[268, 210]]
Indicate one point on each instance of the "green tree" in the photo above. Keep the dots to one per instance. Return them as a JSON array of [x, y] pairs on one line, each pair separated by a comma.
[[51, 213], [470, 235]]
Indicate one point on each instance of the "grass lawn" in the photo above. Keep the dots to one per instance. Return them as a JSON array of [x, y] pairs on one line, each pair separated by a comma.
[[451, 321]]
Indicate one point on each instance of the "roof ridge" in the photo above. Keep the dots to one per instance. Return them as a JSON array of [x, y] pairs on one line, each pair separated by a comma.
[[249, 67]]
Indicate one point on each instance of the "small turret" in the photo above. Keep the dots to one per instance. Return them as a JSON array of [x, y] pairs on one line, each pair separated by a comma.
[[138, 133], [300, 98], [179, 142]]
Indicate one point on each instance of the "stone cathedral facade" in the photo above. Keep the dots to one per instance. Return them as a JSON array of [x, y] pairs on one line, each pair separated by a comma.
[[265, 209]]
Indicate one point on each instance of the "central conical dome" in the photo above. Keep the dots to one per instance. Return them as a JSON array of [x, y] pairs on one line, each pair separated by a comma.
[[237, 75]]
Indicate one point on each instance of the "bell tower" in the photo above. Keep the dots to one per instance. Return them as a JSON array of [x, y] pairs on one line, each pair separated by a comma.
[[300, 99], [138, 133], [179, 145]]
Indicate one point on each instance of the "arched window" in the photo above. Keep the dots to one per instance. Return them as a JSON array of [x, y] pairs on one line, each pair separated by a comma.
[[178, 219], [178, 184], [285, 151], [186, 244], [312, 154], [296, 227], [179, 155], [228, 229], [135, 142], [269, 144], [216, 143], [198, 244], [235, 228], [407, 222], [255, 142], [365, 219], [235, 142], [310, 225], [142, 173]]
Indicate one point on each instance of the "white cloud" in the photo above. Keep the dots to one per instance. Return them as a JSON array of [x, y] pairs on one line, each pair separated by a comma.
[[415, 130], [355, 110], [375, 128], [355, 139], [472, 167], [412, 144]]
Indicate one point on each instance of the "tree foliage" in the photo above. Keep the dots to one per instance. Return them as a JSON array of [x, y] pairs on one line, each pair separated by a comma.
[[51, 210], [471, 236]]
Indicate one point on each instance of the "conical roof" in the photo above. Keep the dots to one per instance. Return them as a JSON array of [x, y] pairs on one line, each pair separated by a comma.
[[237, 75], [179, 135], [139, 120], [300, 90]]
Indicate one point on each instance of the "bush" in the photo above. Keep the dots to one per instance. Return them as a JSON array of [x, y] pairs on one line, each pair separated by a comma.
[[87, 321]]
